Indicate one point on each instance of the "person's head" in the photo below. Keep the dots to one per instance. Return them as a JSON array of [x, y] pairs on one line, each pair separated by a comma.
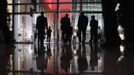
[[82, 13], [66, 15], [42, 13], [92, 17]]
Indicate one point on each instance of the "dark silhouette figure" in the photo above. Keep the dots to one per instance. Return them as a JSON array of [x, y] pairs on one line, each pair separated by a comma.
[[82, 60], [65, 23], [41, 25], [94, 29], [67, 55], [111, 34], [49, 30], [82, 26]]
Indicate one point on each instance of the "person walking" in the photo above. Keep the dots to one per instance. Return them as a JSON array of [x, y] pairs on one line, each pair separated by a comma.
[[82, 26], [65, 23], [41, 25], [49, 30], [94, 29]]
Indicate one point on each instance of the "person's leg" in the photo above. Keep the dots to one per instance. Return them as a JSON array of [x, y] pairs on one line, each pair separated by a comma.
[[79, 36], [70, 38], [127, 20], [39, 37], [42, 39], [63, 36], [66, 37], [91, 37], [49, 38], [84, 36], [96, 37]]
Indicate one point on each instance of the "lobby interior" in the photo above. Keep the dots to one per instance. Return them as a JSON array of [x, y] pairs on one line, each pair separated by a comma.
[[25, 56]]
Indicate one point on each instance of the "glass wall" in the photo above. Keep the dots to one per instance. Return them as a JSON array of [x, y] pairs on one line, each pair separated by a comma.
[[25, 13]]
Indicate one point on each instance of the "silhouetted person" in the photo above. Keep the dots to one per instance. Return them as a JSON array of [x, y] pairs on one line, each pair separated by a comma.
[[41, 25], [94, 29], [82, 26], [111, 34], [49, 30], [65, 22], [82, 60]]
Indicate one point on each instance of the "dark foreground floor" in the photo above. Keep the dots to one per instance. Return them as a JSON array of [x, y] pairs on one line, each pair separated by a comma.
[[64, 59]]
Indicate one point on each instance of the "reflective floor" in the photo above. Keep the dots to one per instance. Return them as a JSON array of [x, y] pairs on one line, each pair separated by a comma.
[[65, 59]]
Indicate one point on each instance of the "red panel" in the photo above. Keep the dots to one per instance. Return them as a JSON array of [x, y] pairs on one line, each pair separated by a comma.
[[62, 6], [52, 6]]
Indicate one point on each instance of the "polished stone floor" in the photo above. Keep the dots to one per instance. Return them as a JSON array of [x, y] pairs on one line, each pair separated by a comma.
[[65, 59]]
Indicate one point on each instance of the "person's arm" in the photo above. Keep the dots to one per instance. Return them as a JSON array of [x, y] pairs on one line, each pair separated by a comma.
[[78, 22], [97, 23]]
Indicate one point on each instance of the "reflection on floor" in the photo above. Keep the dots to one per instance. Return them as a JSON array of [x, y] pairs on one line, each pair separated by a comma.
[[68, 59]]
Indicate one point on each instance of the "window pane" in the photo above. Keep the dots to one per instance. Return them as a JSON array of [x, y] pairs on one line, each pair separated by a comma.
[[65, 0], [9, 1], [65, 7]]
